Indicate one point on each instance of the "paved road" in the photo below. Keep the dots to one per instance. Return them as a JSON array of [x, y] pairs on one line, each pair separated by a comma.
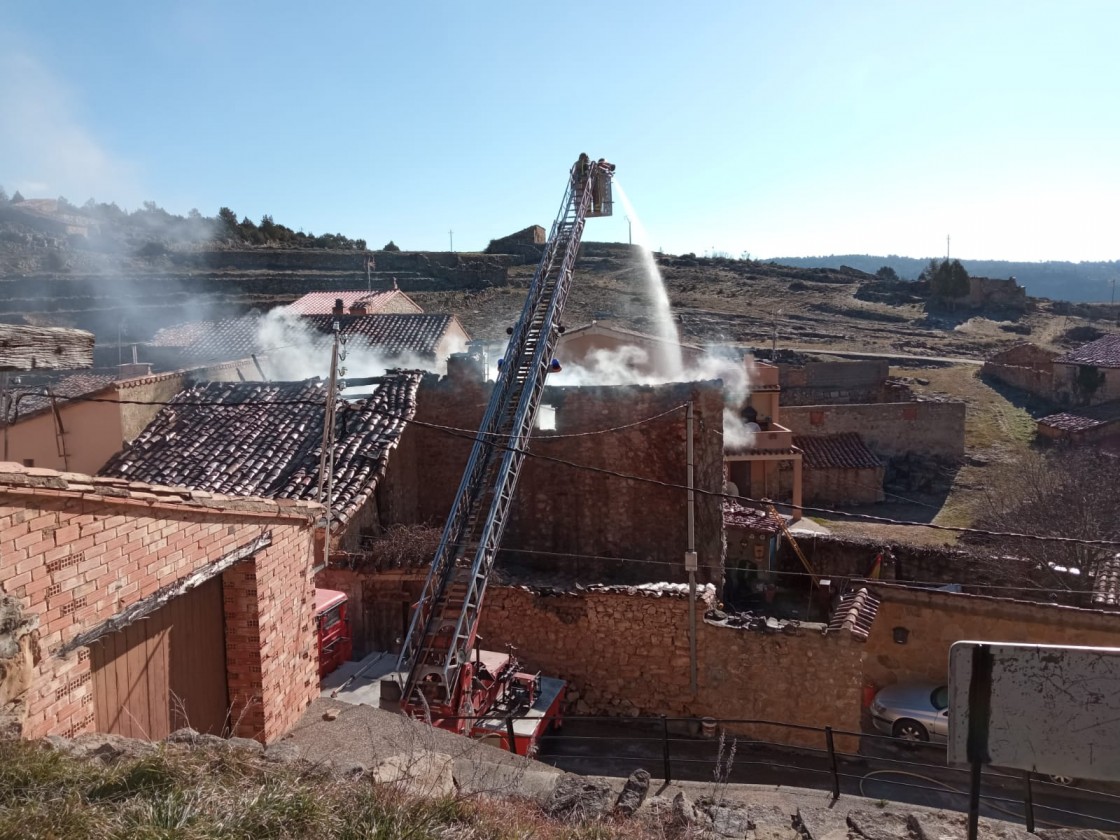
[[882, 770]]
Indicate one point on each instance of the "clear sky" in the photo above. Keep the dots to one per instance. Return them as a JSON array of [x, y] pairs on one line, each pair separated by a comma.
[[780, 129]]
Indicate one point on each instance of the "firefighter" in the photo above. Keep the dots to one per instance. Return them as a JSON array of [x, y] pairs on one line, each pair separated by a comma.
[[580, 170]]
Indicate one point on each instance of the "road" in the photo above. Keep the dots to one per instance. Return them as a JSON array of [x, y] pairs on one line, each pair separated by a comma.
[[882, 770]]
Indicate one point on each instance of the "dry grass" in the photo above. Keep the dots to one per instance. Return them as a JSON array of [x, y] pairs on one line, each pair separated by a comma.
[[180, 793]]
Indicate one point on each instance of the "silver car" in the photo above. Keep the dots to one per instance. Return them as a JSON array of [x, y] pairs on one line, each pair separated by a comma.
[[915, 711]]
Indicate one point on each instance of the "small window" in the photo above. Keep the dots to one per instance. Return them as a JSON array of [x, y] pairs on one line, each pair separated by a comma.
[[29, 462], [331, 617], [546, 418]]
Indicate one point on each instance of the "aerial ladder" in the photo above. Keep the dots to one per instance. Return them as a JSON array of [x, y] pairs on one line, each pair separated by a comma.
[[439, 679]]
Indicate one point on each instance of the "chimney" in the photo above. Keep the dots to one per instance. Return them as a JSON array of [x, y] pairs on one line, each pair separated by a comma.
[[339, 307], [359, 307], [131, 370]]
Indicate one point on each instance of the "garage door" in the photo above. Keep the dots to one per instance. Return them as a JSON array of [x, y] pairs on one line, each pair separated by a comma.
[[165, 671]]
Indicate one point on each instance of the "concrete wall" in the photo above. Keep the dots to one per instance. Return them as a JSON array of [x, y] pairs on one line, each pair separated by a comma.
[[78, 551], [937, 619], [567, 511], [889, 429], [628, 654]]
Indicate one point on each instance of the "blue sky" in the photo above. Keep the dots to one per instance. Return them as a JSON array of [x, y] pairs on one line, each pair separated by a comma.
[[779, 129]]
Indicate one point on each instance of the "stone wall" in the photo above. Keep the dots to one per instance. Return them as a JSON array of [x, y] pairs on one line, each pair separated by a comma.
[[816, 383], [624, 654], [574, 515], [836, 486], [889, 429], [76, 552], [1027, 367], [934, 620], [1070, 388]]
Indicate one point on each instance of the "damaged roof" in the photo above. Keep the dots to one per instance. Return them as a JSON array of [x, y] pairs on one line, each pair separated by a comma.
[[1106, 584], [842, 451], [265, 439], [33, 398], [855, 613], [736, 515], [1104, 352], [394, 335]]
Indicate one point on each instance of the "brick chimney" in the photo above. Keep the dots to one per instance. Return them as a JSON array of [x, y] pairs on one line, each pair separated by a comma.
[[339, 307]]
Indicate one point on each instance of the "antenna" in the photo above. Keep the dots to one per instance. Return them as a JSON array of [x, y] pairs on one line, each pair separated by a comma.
[[946, 247]]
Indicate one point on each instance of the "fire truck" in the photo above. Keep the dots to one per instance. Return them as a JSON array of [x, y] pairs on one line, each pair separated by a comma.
[[442, 674], [332, 630]]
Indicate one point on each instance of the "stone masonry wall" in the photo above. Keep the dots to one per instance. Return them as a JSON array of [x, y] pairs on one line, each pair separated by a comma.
[[567, 511], [628, 654], [76, 551], [937, 619], [889, 429]]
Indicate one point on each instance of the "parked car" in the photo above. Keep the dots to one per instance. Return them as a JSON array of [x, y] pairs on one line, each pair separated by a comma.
[[917, 711]]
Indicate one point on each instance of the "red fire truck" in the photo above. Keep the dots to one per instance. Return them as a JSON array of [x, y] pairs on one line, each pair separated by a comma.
[[332, 626]]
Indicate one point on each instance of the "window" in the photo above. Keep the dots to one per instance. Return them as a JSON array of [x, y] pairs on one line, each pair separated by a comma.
[[546, 418]]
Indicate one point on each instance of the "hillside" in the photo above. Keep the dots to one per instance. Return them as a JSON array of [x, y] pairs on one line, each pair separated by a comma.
[[123, 276], [1079, 282]]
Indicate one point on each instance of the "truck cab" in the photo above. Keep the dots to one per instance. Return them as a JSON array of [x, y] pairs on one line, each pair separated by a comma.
[[332, 629]]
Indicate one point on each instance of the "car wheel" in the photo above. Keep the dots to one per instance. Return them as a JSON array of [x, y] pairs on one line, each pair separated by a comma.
[[910, 730]]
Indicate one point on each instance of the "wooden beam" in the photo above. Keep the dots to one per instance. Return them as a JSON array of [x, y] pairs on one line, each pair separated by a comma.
[[44, 348], [146, 606]]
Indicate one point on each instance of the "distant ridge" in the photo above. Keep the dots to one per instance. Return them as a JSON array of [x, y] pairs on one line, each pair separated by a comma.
[[1082, 282]]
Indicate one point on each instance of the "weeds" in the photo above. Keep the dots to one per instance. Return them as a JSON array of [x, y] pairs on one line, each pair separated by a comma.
[[175, 792]]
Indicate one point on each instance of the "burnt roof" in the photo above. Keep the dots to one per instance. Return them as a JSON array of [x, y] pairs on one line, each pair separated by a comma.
[[842, 451], [855, 613], [265, 438], [1104, 352], [394, 334], [736, 515]]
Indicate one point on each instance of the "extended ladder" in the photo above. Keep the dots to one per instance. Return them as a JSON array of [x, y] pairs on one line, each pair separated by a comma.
[[781, 521], [444, 622]]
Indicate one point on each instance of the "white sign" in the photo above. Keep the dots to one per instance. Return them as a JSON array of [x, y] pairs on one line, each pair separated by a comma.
[[1049, 709]]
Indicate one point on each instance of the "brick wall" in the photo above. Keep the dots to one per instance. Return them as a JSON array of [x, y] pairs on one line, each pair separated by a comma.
[[937, 619], [77, 551], [889, 429], [628, 654], [569, 511]]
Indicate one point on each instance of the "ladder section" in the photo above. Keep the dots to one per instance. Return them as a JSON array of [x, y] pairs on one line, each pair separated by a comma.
[[781, 522], [444, 623]]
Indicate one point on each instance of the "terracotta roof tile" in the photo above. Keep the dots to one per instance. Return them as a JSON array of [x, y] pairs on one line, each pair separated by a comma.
[[855, 613], [1106, 584], [843, 451], [1104, 352], [259, 444], [736, 515], [322, 303], [238, 338], [1083, 419]]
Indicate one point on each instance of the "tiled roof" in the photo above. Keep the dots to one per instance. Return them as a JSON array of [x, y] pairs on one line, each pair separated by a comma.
[[63, 387], [1104, 352], [855, 613], [322, 303], [1106, 584], [249, 439], [392, 334], [736, 515], [1083, 419], [843, 451]]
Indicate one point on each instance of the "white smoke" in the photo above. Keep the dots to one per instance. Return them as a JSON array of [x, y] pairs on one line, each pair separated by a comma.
[[630, 365], [294, 351]]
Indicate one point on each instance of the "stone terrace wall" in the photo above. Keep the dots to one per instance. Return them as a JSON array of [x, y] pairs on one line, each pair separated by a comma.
[[576, 512], [76, 551], [937, 619], [889, 429], [628, 654]]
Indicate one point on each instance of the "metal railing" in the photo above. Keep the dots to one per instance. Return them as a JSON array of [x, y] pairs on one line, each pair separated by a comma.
[[903, 771]]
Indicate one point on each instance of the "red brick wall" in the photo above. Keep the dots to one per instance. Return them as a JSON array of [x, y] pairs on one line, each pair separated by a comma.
[[76, 551]]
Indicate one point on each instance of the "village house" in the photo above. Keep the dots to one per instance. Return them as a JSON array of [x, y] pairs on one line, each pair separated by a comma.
[[138, 610], [265, 439], [1089, 375], [416, 339], [355, 302], [76, 421]]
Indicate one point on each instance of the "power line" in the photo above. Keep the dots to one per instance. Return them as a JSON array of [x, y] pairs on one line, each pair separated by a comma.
[[472, 435]]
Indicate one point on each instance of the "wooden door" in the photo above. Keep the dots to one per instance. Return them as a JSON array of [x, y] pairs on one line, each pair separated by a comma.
[[165, 671]]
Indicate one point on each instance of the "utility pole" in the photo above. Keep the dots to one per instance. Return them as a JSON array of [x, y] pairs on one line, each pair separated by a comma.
[[690, 559], [630, 237], [946, 247], [326, 454], [774, 343], [451, 241]]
